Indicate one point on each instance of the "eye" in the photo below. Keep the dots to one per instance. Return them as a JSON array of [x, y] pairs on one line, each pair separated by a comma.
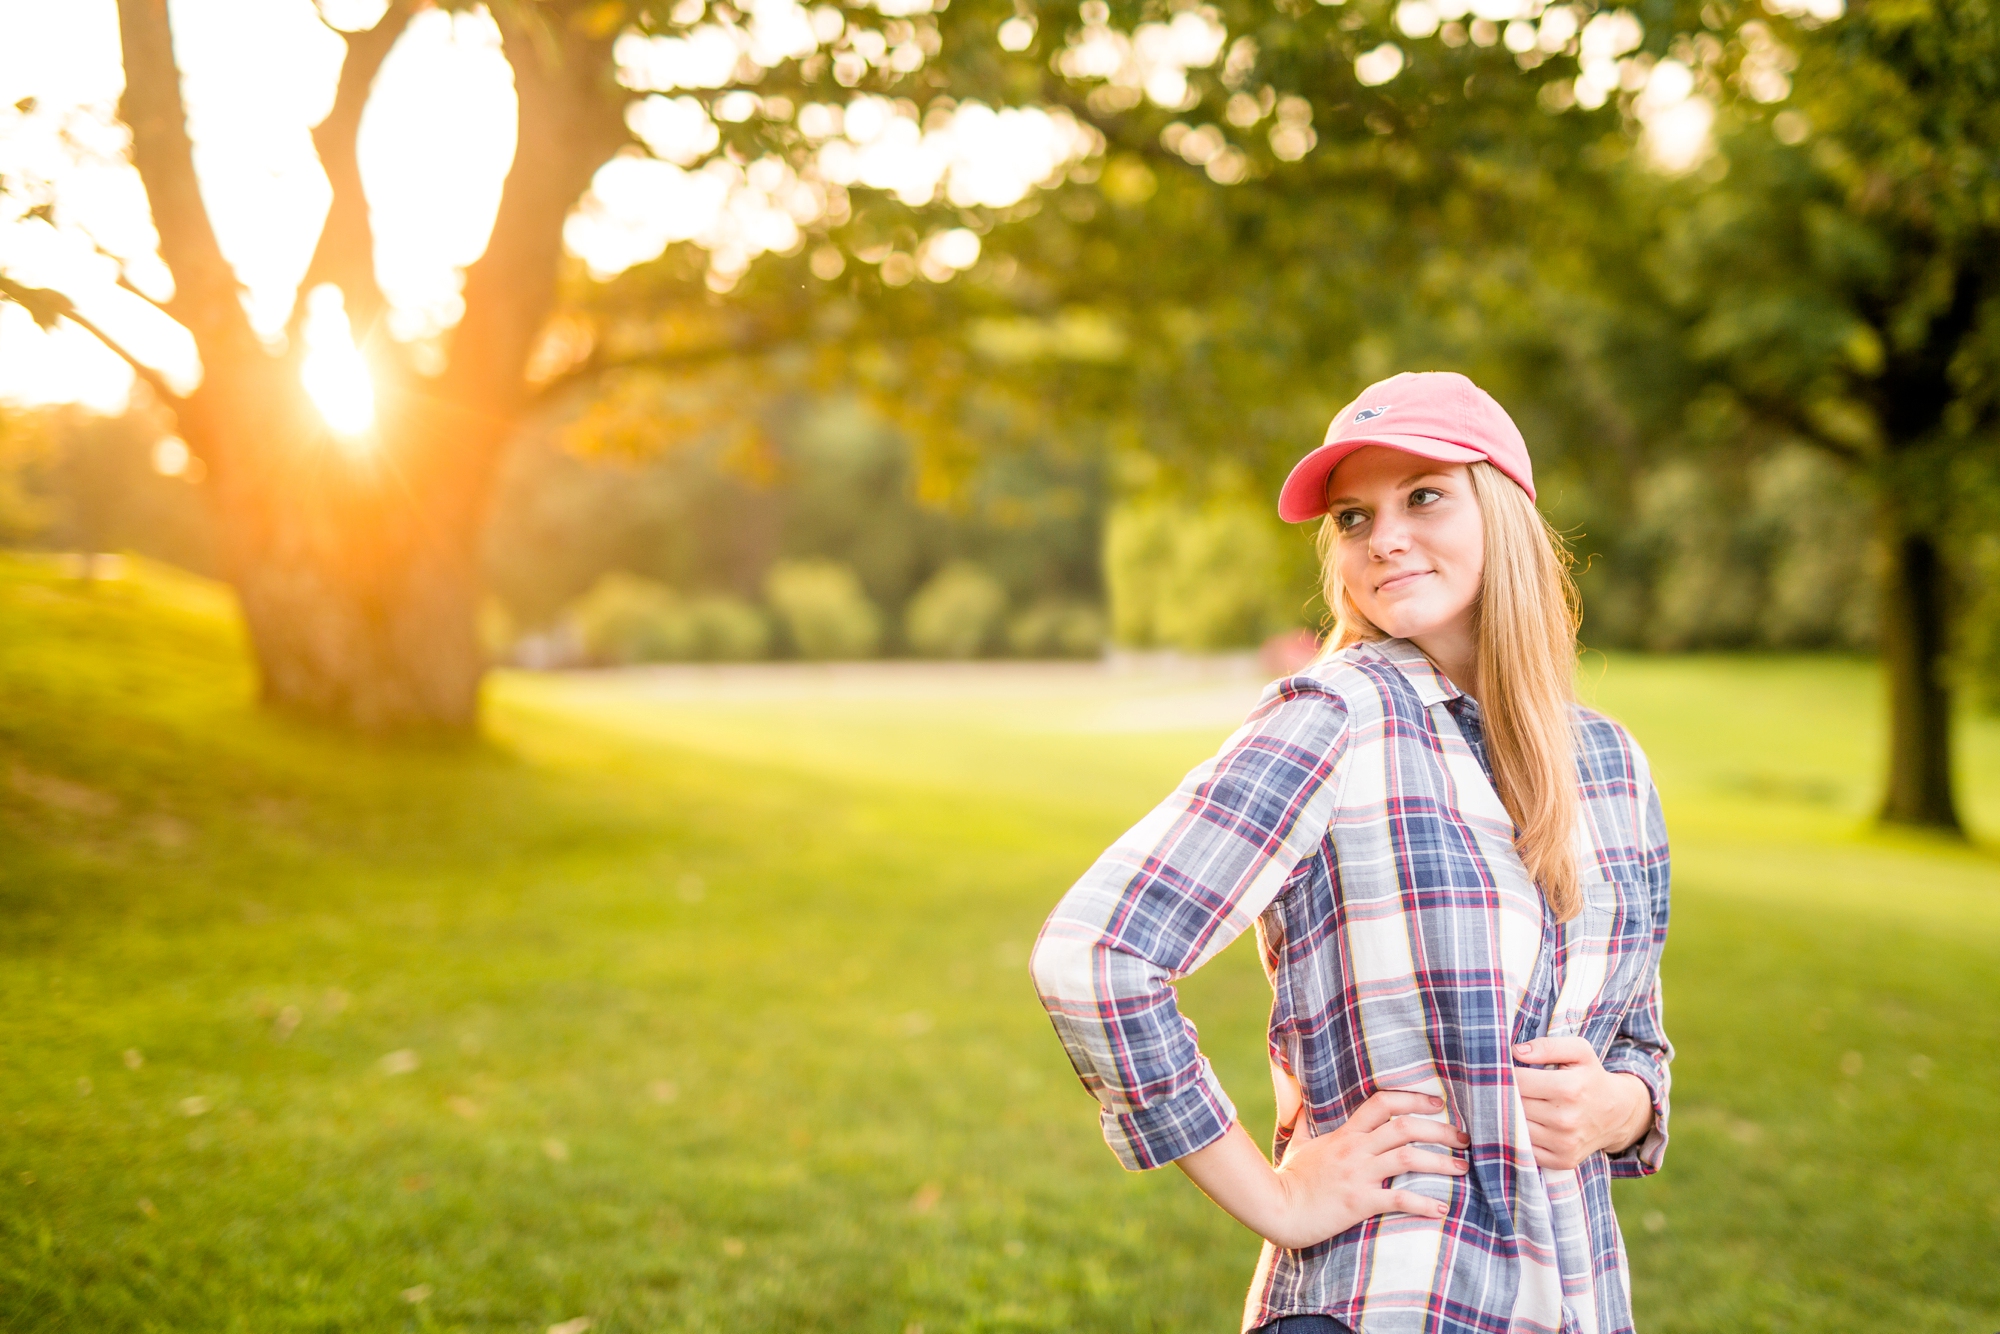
[[1349, 520], [1425, 495]]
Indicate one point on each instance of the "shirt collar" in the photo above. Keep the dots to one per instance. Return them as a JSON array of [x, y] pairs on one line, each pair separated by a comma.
[[1431, 685]]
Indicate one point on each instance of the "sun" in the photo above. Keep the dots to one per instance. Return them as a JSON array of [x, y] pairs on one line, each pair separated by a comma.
[[335, 375]]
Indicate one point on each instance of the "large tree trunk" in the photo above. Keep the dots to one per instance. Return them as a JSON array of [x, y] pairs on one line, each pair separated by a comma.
[[1914, 635], [355, 564]]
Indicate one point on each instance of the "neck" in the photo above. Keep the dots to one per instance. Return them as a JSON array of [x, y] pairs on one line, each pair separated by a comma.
[[1454, 651]]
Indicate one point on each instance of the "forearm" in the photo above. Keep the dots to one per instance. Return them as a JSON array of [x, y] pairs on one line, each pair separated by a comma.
[[1235, 1174]]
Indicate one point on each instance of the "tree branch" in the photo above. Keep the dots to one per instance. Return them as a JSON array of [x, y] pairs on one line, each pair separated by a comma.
[[345, 254], [594, 367], [1785, 416], [205, 287], [708, 338], [570, 119], [48, 306]]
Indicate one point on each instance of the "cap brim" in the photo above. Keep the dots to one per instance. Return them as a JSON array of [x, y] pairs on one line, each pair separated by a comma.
[[1304, 494]]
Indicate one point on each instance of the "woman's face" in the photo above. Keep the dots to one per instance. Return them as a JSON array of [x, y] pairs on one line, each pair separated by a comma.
[[1412, 543]]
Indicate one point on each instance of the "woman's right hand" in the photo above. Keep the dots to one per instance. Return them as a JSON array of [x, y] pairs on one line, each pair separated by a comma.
[[1330, 1182], [1335, 1180]]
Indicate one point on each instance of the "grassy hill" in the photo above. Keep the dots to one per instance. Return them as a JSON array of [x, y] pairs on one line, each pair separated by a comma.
[[706, 1009]]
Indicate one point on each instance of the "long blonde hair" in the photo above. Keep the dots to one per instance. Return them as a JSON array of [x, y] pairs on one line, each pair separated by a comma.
[[1525, 620]]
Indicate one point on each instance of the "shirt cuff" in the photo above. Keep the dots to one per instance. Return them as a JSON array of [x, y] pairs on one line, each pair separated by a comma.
[[1643, 1158], [1174, 1127]]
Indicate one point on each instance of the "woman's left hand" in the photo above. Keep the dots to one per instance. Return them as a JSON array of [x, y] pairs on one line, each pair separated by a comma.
[[1578, 1107]]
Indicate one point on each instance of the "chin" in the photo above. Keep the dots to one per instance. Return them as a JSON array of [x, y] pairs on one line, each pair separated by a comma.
[[1403, 622]]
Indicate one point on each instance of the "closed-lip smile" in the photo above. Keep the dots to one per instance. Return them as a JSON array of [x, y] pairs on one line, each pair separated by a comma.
[[1401, 580]]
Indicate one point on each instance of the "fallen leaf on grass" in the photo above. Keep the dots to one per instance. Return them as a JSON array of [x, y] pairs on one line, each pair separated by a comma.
[[167, 832]]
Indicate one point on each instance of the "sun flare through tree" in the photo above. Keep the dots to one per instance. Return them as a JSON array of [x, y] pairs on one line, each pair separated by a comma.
[[334, 372]]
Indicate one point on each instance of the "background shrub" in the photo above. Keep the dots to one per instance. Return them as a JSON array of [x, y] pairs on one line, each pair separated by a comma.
[[1057, 628], [1199, 579], [1138, 551], [627, 619], [823, 610], [728, 629], [957, 613]]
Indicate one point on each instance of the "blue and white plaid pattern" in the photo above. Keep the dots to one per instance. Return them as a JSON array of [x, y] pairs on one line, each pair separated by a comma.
[[1351, 822]]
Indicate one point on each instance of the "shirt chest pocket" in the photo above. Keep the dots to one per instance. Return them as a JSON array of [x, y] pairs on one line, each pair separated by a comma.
[[1602, 955]]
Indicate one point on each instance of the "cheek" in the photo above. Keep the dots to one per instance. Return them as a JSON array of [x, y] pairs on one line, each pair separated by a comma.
[[1462, 550], [1350, 562]]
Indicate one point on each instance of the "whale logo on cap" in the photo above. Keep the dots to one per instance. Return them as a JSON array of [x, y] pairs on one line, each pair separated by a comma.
[[1370, 414]]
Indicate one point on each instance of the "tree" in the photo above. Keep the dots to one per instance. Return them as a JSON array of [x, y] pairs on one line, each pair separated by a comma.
[[354, 558], [1826, 274], [355, 565], [1841, 286], [356, 570]]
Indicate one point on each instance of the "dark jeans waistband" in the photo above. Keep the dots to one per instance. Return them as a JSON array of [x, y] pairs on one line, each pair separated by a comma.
[[1303, 1324]]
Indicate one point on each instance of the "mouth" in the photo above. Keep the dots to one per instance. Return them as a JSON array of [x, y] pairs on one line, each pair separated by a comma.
[[1396, 583]]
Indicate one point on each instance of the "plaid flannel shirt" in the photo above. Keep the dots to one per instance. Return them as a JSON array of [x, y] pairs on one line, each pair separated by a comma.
[[1353, 821]]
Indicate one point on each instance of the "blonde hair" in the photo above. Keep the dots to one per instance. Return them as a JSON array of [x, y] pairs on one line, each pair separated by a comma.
[[1525, 622]]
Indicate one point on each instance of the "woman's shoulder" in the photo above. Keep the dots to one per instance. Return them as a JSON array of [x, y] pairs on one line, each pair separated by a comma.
[[1359, 675], [1375, 680], [1607, 752]]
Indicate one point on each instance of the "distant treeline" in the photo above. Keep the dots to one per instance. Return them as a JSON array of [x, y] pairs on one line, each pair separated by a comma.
[[822, 548]]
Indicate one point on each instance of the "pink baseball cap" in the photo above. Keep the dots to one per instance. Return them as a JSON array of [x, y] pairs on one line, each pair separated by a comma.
[[1433, 414]]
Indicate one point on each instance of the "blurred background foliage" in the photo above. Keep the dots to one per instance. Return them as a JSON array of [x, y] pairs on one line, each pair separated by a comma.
[[679, 558], [1741, 356]]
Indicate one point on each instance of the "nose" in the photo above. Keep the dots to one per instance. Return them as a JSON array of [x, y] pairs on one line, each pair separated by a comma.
[[1388, 535]]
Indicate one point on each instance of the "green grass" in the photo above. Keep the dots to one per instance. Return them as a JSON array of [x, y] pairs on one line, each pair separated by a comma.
[[721, 1018]]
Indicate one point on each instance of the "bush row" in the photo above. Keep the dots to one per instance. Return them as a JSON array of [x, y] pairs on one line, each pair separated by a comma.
[[817, 609]]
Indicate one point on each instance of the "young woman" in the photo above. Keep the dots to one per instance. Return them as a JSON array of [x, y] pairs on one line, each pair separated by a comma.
[[1459, 880]]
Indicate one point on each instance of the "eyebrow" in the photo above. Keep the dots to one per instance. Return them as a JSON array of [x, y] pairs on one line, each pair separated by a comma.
[[1413, 477]]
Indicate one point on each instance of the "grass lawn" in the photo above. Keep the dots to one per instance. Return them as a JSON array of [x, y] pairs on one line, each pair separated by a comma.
[[680, 1006]]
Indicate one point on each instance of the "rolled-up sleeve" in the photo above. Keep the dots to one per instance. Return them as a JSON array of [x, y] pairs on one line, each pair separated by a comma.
[[1641, 1047], [1167, 897]]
